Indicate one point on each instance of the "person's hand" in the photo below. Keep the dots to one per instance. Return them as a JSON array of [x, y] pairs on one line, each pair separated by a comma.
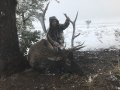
[[56, 44], [66, 16]]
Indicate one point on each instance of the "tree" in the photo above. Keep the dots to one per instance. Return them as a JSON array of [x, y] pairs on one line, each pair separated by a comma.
[[117, 35], [24, 15], [11, 59], [88, 22], [25, 19], [27, 38]]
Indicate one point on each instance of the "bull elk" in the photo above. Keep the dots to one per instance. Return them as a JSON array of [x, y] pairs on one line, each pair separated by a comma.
[[44, 57]]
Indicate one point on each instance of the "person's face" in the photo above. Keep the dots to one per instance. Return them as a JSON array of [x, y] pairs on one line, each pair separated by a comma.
[[54, 23]]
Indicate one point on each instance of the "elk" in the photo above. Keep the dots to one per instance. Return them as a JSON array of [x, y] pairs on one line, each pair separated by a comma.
[[45, 56]]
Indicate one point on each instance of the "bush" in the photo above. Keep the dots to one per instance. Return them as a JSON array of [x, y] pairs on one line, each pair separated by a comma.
[[27, 38]]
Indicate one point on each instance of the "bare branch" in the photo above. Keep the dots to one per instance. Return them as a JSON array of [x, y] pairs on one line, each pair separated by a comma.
[[28, 17], [41, 9], [41, 17], [46, 8]]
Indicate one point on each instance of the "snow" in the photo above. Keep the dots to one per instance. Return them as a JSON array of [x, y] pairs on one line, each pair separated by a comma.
[[101, 34]]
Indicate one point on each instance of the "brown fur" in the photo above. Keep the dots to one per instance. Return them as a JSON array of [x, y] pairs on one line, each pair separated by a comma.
[[41, 54]]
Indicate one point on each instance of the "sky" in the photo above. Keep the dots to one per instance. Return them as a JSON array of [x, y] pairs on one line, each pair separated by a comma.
[[88, 9], [99, 11]]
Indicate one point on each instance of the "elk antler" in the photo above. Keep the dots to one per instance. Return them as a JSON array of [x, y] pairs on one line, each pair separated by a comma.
[[73, 34], [78, 47], [74, 28]]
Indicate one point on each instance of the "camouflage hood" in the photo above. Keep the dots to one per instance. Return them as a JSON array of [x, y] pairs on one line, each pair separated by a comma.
[[51, 19]]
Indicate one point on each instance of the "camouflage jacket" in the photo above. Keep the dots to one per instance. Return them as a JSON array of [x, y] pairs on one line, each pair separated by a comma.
[[57, 33]]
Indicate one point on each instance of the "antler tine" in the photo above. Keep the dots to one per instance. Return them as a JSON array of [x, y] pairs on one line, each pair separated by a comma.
[[77, 35], [75, 48], [76, 17], [78, 47], [81, 44]]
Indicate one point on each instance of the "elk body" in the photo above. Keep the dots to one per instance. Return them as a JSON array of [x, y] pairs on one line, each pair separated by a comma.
[[44, 58]]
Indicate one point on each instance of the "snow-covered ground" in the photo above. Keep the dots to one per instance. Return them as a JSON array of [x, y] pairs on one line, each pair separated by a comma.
[[98, 35]]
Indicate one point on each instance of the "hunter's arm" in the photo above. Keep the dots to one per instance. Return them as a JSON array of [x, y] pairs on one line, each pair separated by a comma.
[[65, 25]]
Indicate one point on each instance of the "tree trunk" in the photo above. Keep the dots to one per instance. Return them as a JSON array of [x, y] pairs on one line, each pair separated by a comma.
[[10, 58]]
